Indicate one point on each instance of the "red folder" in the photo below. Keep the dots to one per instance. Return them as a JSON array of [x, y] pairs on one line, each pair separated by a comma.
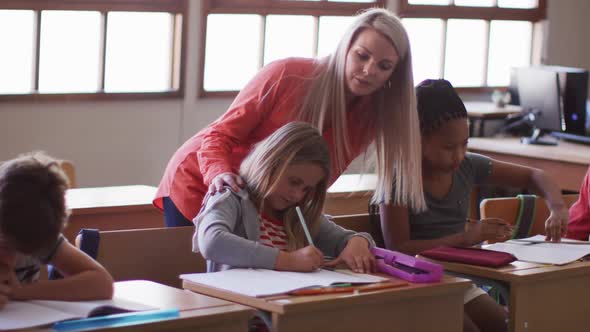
[[474, 256]]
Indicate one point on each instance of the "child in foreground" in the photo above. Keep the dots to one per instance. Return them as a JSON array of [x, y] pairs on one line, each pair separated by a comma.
[[32, 216], [258, 227]]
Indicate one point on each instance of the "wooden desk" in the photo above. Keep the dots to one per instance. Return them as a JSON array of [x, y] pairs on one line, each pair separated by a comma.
[[111, 208], [197, 312], [350, 194], [482, 111], [417, 307], [542, 298], [566, 162]]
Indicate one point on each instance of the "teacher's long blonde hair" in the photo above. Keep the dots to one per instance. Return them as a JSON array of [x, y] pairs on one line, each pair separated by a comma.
[[393, 115]]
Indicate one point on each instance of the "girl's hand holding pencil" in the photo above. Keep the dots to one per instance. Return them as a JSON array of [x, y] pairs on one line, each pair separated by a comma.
[[306, 259], [477, 231]]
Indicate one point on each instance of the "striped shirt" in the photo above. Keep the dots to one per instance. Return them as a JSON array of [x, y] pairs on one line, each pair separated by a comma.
[[28, 267], [272, 232]]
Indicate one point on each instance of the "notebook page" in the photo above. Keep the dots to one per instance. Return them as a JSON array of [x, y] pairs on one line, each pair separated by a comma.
[[546, 253], [259, 282], [20, 315], [83, 308]]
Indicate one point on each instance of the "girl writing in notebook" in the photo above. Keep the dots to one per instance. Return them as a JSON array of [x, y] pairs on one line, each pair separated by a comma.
[[363, 93], [258, 226], [448, 175], [32, 216]]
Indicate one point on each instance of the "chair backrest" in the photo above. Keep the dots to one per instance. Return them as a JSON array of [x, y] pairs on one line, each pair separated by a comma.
[[507, 209], [156, 254], [68, 168]]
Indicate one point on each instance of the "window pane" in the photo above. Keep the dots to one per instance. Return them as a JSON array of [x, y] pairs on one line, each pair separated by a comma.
[[465, 53], [224, 69], [331, 30], [510, 46], [288, 35], [138, 52], [16, 61], [70, 51], [518, 3], [426, 43], [475, 3], [430, 2]]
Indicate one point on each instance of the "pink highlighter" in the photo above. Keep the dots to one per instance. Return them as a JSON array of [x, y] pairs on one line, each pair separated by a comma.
[[406, 267]]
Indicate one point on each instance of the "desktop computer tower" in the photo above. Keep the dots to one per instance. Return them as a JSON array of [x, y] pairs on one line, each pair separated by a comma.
[[573, 89]]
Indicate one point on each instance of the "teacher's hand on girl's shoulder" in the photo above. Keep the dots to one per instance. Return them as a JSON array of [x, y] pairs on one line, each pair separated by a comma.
[[226, 179]]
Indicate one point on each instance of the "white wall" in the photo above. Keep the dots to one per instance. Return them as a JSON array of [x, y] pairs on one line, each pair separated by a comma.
[[568, 43], [115, 143]]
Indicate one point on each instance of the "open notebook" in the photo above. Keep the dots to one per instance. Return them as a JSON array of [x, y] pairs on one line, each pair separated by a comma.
[[261, 282], [27, 314], [535, 249]]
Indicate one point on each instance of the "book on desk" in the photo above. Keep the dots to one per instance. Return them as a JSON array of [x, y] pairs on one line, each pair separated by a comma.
[[28, 314]]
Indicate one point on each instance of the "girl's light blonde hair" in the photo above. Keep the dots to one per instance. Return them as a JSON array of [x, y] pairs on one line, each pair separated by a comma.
[[294, 143], [393, 114]]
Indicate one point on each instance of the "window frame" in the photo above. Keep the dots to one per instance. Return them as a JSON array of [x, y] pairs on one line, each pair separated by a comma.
[[452, 11], [179, 8], [270, 7]]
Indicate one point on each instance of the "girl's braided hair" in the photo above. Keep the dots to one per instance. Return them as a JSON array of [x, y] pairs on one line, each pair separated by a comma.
[[438, 102]]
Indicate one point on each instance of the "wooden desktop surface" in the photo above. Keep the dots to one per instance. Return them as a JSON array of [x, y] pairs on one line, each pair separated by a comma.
[[566, 162], [416, 307], [350, 194], [197, 312], [542, 297], [488, 110], [112, 208]]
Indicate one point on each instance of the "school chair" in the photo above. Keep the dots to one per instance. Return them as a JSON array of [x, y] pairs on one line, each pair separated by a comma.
[[156, 254], [70, 171], [526, 212]]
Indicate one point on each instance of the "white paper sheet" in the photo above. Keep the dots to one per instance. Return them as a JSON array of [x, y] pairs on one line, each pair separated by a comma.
[[260, 282], [538, 251]]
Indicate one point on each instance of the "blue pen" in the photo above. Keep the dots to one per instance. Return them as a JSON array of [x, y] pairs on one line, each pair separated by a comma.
[[125, 319]]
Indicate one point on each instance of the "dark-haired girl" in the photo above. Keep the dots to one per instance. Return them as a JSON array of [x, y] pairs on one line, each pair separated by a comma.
[[448, 173]]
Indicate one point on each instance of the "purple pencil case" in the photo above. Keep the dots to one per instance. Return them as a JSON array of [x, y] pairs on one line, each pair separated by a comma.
[[406, 267]]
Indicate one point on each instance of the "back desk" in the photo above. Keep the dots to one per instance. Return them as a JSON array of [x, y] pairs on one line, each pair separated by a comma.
[[111, 208], [566, 162]]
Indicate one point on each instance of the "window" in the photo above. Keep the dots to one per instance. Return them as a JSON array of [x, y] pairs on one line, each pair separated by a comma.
[[472, 43], [91, 49], [241, 36]]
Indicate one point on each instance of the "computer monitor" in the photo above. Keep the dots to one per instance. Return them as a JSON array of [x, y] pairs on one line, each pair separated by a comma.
[[540, 98]]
